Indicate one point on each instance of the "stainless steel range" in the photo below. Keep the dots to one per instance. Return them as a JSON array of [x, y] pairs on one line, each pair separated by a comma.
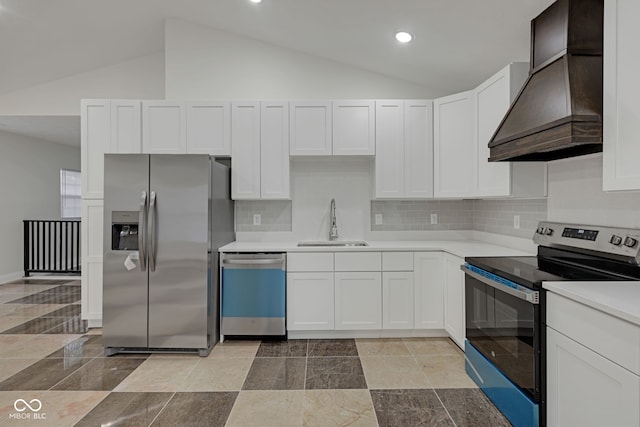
[[505, 350]]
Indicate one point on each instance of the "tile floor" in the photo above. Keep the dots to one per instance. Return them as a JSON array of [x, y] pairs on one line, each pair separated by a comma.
[[46, 353]]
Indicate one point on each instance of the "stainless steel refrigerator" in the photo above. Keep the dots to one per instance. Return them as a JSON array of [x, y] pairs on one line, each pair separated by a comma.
[[165, 216]]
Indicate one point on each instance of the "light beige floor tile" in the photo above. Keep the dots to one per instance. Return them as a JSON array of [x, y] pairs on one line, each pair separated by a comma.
[[58, 408], [94, 331], [445, 371], [267, 409], [393, 372], [159, 375], [235, 349], [326, 408], [382, 347], [28, 309], [219, 374], [32, 346], [8, 322], [431, 346], [10, 367], [23, 290]]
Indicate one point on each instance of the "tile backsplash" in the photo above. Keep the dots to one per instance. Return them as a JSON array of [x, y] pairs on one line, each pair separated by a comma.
[[415, 215], [497, 216], [275, 215]]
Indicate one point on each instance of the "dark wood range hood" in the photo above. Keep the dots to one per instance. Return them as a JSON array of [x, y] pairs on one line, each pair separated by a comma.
[[558, 112]]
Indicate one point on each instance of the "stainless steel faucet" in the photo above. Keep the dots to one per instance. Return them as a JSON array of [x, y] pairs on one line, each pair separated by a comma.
[[333, 226]]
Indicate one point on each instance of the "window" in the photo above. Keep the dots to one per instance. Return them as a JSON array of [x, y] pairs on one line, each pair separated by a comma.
[[70, 194]]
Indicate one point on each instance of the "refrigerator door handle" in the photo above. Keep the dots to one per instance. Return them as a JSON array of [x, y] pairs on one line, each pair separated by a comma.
[[152, 231], [142, 225]]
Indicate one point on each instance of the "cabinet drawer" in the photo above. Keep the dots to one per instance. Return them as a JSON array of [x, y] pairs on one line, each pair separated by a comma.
[[613, 338], [310, 261], [397, 261], [358, 261]]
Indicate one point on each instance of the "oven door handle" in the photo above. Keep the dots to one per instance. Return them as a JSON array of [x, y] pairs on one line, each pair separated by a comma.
[[521, 292]]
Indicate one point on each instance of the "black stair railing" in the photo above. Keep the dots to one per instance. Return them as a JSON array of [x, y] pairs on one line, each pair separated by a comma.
[[51, 246]]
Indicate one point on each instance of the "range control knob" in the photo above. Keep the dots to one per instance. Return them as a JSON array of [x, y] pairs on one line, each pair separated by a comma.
[[540, 230], [615, 240], [630, 242], [548, 231]]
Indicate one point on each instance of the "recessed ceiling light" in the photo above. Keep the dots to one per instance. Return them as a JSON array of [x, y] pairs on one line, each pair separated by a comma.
[[255, 1], [403, 37]]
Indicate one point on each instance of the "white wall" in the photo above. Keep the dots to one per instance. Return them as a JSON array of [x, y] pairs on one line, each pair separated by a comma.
[[140, 78], [29, 189], [202, 62], [576, 196]]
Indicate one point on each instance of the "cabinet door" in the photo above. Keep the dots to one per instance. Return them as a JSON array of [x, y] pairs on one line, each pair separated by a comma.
[[585, 389], [390, 158], [245, 150], [209, 128], [126, 122], [454, 322], [354, 127], [418, 148], [91, 281], [274, 150], [455, 148], [621, 150], [310, 301], [310, 125], [95, 137], [163, 127], [429, 290], [397, 300], [358, 300]]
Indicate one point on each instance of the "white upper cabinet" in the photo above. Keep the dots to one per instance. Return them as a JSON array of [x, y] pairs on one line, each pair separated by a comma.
[[126, 122], [209, 128], [311, 128], [245, 150], [163, 127], [404, 149], [493, 98], [274, 150], [95, 137], [354, 127], [455, 147], [621, 111]]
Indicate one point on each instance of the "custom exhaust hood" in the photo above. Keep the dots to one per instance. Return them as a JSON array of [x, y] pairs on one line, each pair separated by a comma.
[[558, 112]]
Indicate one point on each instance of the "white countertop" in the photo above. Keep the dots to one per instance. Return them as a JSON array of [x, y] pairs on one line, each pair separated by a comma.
[[461, 248], [619, 299]]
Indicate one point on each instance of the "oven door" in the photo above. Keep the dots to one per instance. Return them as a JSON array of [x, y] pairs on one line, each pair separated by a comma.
[[503, 323]]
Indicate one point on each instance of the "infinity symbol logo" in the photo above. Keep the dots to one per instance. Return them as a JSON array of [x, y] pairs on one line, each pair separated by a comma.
[[21, 405]]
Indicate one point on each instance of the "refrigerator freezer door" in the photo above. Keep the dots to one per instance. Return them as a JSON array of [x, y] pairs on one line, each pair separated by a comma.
[[179, 285], [124, 320]]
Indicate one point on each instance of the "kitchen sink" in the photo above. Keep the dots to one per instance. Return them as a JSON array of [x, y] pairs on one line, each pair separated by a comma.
[[356, 243]]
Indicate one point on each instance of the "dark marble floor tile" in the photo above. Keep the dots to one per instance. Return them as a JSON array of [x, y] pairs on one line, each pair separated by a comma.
[[73, 325], [57, 295], [38, 325], [126, 409], [36, 282], [329, 348], [85, 346], [469, 407], [335, 373], [197, 409], [409, 408], [280, 373], [289, 348], [43, 374], [68, 311], [99, 374]]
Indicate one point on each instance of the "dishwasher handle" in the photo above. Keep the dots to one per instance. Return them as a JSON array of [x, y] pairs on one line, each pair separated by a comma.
[[254, 261]]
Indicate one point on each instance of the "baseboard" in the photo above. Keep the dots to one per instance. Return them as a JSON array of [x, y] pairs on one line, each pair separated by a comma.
[[4, 278]]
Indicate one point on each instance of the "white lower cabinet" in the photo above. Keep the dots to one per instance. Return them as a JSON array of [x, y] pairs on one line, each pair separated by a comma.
[[358, 300], [310, 301], [585, 389], [429, 290], [454, 310], [92, 249], [397, 300]]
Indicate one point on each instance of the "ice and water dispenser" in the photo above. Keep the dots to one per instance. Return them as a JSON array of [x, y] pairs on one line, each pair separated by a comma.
[[124, 230]]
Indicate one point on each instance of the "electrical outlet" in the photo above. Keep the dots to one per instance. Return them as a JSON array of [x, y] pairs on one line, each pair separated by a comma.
[[257, 219], [378, 219], [434, 218], [516, 221]]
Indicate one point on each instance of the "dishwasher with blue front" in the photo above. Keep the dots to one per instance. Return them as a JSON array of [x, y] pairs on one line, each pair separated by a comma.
[[253, 294]]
